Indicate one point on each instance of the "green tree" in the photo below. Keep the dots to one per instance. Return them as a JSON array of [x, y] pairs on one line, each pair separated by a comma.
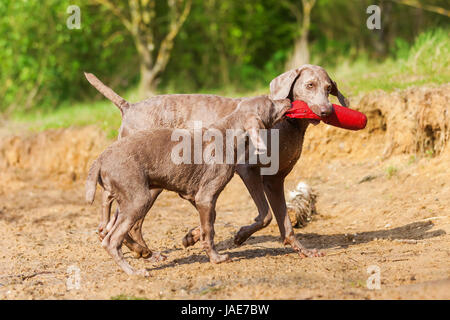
[[144, 26], [300, 54]]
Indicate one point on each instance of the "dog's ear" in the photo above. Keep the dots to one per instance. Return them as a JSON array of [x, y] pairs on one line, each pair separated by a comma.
[[252, 126], [278, 110], [281, 86], [335, 92]]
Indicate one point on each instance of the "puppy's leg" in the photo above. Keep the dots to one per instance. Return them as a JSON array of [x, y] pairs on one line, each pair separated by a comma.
[[112, 221], [133, 245], [135, 235], [193, 235], [113, 244], [253, 181], [141, 252], [106, 213], [128, 241], [207, 218], [127, 217]]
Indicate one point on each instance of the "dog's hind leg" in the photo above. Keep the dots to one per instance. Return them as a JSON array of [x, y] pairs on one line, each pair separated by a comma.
[[143, 252], [253, 181], [128, 241], [135, 235], [107, 200], [130, 212], [111, 221], [193, 235]]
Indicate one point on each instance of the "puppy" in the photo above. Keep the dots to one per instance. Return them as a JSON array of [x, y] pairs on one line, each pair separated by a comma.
[[131, 167]]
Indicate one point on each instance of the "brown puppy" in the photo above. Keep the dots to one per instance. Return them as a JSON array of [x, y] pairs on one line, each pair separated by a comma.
[[131, 167]]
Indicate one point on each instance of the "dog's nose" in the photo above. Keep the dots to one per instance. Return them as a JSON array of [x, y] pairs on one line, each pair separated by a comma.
[[326, 111]]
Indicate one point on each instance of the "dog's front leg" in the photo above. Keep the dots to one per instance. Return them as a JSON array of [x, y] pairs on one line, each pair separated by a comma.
[[274, 189], [207, 218]]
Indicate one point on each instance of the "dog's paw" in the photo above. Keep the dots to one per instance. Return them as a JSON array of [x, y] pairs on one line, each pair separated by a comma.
[[191, 237], [156, 257], [305, 253], [141, 273], [220, 258]]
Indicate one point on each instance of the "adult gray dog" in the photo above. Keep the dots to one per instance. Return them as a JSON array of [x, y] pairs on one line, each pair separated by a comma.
[[309, 83]]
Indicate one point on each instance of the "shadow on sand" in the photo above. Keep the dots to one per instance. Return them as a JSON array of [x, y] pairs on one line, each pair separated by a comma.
[[412, 231]]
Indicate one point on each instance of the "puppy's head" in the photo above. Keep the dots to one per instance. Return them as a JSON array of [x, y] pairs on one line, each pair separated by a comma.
[[262, 113], [274, 112], [266, 110]]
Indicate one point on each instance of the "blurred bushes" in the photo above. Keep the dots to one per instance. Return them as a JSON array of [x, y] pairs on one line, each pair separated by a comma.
[[42, 61], [223, 44]]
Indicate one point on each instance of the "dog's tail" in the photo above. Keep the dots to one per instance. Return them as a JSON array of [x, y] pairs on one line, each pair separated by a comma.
[[120, 102], [91, 181]]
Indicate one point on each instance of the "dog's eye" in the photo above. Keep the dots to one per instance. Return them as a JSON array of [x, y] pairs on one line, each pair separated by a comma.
[[329, 89], [310, 85]]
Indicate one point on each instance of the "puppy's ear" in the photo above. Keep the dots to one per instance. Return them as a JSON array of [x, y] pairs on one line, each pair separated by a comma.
[[281, 86], [278, 109], [335, 92], [252, 126]]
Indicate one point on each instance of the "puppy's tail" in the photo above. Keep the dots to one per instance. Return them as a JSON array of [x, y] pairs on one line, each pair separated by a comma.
[[120, 102], [91, 181]]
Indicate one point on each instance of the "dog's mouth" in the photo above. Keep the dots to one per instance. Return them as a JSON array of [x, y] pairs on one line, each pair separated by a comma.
[[300, 110]]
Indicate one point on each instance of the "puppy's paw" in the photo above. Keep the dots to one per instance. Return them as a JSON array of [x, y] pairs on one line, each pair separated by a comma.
[[305, 253], [219, 258], [242, 235], [141, 273], [156, 257], [191, 237]]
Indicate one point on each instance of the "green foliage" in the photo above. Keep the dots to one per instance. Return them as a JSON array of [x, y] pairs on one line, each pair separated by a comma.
[[424, 62], [101, 113], [42, 61], [354, 77], [225, 46], [430, 53], [229, 43]]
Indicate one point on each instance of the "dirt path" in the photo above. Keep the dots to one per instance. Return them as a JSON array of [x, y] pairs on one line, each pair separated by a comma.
[[399, 223], [383, 203]]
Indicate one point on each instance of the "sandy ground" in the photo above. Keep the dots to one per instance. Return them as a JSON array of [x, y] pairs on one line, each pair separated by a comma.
[[383, 205], [398, 223]]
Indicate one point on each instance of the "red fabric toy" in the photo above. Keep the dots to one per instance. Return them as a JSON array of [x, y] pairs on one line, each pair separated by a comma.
[[341, 117]]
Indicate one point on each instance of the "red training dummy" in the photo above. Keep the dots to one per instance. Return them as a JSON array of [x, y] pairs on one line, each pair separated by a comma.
[[341, 117]]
